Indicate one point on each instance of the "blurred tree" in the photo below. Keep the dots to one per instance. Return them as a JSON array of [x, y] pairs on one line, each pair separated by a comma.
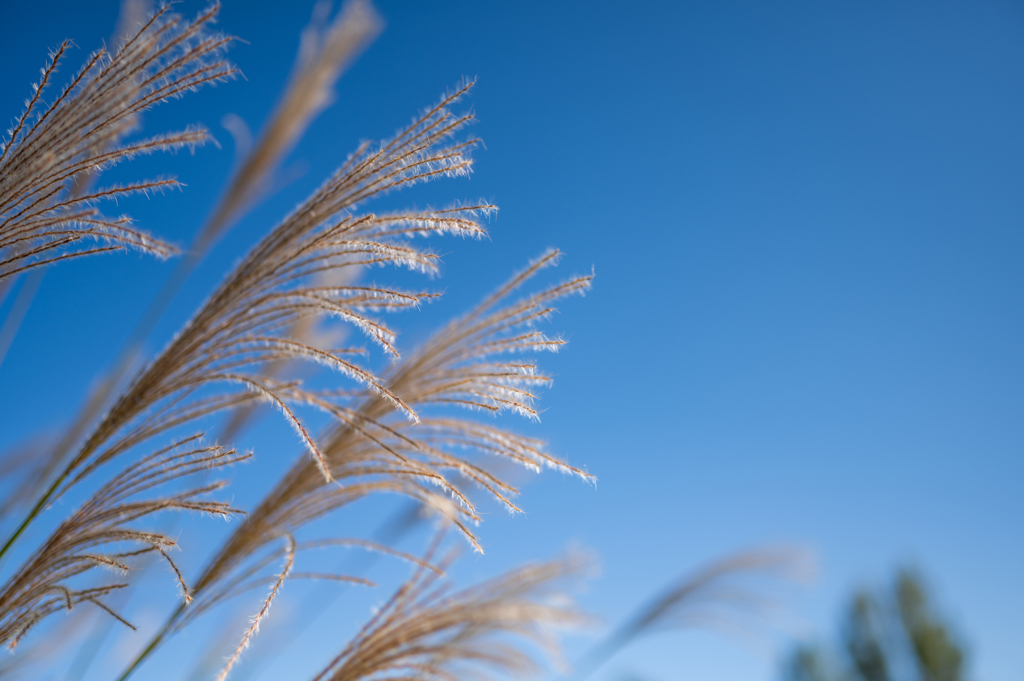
[[891, 635]]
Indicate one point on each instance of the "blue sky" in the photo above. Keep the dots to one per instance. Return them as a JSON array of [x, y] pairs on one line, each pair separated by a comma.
[[806, 224]]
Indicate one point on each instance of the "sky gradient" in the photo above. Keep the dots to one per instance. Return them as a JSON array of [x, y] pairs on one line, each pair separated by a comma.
[[806, 224]]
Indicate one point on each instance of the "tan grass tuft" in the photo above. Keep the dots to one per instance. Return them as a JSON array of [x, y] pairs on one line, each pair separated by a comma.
[[52, 149], [102, 533], [427, 632]]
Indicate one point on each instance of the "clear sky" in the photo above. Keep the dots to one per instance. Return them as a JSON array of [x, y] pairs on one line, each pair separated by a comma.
[[807, 225]]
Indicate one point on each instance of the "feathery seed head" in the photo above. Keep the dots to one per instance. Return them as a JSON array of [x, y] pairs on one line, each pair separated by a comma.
[[46, 212]]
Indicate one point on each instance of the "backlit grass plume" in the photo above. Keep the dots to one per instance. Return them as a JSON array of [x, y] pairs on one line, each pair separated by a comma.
[[214, 362], [428, 631], [52, 147], [103, 533], [370, 450], [245, 323], [375, 449], [323, 55]]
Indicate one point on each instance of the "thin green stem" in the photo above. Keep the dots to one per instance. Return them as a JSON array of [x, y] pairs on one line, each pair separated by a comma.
[[36, 510]]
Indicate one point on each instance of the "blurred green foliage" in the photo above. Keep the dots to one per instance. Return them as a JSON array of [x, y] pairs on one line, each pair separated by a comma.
[[893, 634]]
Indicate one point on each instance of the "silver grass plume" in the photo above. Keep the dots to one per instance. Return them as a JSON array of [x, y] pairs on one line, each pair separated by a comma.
[[51, 149], [242, 325], [325, 52], [376, 450], [428, 632], [373, 452], [732, 593], [322, 58], [102, 534]]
